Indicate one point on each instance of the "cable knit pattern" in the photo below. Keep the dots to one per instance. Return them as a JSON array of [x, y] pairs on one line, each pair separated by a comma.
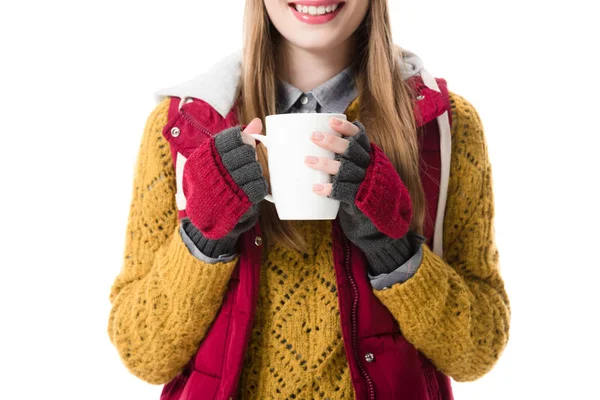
[[221, 202], [456, 310], [296, 349], [164, 299], [393, 215]]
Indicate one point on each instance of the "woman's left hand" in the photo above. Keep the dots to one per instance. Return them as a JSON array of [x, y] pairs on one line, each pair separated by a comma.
[[364, 180], [376, 209], [338, 145]]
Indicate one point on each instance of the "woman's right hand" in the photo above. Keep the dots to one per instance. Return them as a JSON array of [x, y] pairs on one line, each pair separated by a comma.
[[223, 182]]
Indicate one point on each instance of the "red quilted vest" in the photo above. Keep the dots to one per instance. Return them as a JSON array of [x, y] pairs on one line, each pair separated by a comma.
[[399, 371]]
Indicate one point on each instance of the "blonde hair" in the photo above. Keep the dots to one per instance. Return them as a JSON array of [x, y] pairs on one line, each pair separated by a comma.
[[387, 111]]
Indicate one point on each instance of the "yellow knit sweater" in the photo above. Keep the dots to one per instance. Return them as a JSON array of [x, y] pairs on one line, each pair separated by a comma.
[[296, 347], [455, 310]]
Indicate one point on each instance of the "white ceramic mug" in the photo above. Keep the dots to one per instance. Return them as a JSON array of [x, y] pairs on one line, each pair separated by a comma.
[[288, 142]]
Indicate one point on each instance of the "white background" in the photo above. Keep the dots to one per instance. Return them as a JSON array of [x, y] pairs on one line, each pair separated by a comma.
[[76, 83]]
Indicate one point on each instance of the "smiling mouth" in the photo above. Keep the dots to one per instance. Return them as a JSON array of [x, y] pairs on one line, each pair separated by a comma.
[[311, 9]]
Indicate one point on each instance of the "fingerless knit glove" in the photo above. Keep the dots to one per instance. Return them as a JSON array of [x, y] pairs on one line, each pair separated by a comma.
[[223, 184], [384, 253]]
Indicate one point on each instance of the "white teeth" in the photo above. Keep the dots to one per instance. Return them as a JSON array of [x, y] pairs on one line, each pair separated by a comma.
[[316, 10]]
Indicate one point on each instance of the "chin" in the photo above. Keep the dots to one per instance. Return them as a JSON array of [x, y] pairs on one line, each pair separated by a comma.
[[315, 42]]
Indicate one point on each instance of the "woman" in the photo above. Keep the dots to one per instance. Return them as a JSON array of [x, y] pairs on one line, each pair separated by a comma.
[[220, 299]]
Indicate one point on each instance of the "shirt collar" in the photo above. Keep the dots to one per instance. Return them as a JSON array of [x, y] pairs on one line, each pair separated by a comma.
[[334, 96]]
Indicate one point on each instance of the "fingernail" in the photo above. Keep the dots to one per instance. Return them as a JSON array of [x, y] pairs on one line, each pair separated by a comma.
[[312, 159], [337, 121], [318, 135], [317, 187]]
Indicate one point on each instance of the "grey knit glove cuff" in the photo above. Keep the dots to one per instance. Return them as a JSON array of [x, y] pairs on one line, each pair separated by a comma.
[[225, 245], [383, 253], [387, 255], [240, 161]]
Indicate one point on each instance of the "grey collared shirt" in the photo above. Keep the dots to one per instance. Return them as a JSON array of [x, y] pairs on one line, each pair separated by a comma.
[[333, 96]]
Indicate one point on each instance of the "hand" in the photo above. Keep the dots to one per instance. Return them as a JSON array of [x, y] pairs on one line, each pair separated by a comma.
[[212, 177], [338, 145], [375, 210]]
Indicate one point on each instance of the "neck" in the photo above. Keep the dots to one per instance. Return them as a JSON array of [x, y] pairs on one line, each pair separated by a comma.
[[307, 69]]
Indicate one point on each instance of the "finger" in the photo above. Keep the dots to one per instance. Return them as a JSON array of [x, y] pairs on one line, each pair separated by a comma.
[[322, 189], [323, 164], [330, 142], [255, 126], [344, 127]]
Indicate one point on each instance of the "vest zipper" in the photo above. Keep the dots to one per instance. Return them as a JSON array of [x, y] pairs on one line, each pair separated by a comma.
[[194, 123], [354, 311]]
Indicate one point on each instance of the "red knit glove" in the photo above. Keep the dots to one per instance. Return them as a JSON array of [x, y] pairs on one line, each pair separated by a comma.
[[383, 197], [221, 182], [368, 180], [376, 209]]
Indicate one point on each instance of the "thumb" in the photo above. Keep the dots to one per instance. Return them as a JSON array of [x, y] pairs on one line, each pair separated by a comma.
[[255, 126]]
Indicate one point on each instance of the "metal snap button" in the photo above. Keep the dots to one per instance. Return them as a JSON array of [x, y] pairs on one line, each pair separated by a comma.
[[369, 357], [258, 240], [175, 131], [420, 97], [303, 100]]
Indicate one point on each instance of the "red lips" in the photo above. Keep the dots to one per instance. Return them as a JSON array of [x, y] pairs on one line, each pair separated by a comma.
[[316, 18]]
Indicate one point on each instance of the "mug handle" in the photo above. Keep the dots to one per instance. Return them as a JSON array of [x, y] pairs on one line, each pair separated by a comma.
[[263, 139]]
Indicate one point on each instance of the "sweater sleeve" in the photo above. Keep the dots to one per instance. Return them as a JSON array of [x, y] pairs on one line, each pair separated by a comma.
[[164, 299], [455, 309]]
